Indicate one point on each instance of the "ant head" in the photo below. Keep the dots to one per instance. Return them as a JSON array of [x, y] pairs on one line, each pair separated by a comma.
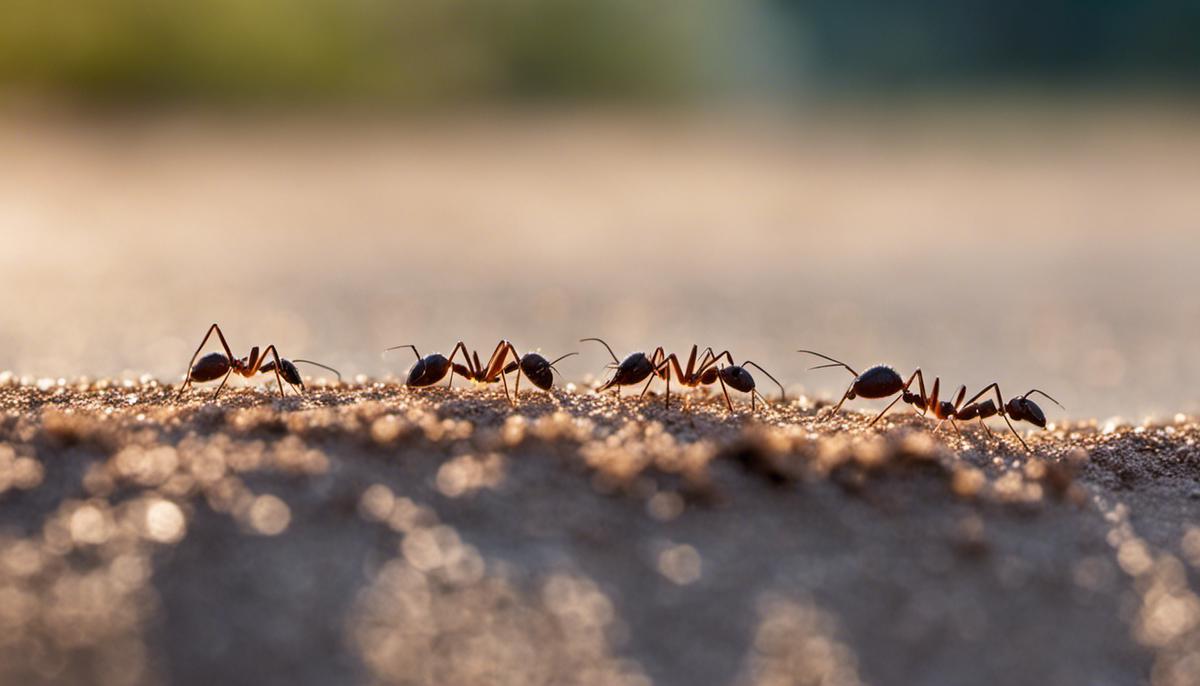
[[633, 369], [1024, 409], [289, 373], [737, 378], [428, 370]]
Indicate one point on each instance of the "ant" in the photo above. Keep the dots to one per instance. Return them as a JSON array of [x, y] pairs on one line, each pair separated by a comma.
[[434, 367], [1020, 408], [215, 364], [880, 381], [733, 375], [635, 368]]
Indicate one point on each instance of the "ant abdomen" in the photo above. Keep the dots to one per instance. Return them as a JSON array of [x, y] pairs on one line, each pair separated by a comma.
[[428, 370], [210, 367], [879, 381]]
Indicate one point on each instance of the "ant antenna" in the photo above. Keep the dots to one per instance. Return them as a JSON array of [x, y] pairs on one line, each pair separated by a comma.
[[562, 358], [318, 364], [610, 350], [836, 363], [559, 359], [782, 393], [1047, 396], [397, 347]]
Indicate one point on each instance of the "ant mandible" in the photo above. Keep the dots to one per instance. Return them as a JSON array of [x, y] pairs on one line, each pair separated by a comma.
[[880, 381], [732, 375], [216, 365]]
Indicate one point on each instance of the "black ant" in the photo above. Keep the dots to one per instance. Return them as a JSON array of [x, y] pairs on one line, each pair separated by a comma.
[[880, 381], [1020, 408], [635, 368], [216, 365], [433, 368], [732, 375]]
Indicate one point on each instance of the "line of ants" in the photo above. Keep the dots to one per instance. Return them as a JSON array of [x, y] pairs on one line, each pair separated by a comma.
[[702, 369]]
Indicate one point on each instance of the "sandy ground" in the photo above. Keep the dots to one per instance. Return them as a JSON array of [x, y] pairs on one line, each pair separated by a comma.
[[372, 534]]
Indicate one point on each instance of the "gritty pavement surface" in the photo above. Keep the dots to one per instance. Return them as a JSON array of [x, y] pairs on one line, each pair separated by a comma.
[[368, 533]]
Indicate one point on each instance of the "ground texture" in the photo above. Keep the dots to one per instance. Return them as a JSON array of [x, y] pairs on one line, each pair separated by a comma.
[[368, 533]]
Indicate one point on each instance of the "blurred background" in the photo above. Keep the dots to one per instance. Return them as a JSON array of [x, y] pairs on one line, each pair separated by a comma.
[[993, 191]]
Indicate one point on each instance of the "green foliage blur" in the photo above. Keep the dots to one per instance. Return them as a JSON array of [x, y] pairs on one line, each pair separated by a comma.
[[413, 52], [408, 51]]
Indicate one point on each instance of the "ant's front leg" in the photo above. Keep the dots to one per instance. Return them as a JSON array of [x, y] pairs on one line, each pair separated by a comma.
[[278, 365], [845, 397]]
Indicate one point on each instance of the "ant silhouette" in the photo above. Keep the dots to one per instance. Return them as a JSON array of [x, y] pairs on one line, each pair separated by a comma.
[[880, 381], [635, 368], [1020, 408], [732, 375], [434, 367], [216, 365]]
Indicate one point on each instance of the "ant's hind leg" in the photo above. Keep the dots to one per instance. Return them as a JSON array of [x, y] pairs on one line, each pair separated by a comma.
[[845, 396], [885, 410], [728, 402], [187, 373], [1014, 432], [985, 427], [218, 391]]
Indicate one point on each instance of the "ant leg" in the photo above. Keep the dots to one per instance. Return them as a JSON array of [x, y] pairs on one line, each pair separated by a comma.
[[760, 397], [716, 358], [885, 410], [985, 427], [728, 402], [1014, 432], [782, 393], [457, 346], [278, 365], [992, 386], [218, 391], [666, 365], [920, 378], [955, 425], [517, 386], [487, 373], [644, 388], [187, 373], [504, 381], [844, 397]]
